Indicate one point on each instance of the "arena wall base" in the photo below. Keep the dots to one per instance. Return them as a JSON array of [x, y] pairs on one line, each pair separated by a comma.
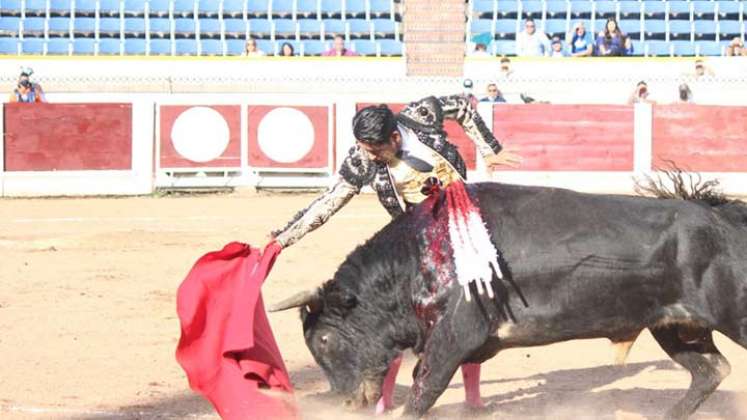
[[74, 183]]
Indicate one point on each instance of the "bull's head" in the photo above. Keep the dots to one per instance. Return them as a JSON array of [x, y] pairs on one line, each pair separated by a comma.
[[341, 334]]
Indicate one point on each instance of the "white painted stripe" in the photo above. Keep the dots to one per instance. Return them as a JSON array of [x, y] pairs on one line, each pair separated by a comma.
[[161, 219]]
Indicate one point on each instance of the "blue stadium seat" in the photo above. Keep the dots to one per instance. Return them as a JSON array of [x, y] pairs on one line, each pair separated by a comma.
[[683, 49], [680, 30], [333, 27], [209, 28], [381, 9], [159, 47], [723, 44], [159, 27], [310, 29], [654, 29], [208, 9], [9, 46], [34, 27], [109, 8], [482, 26], [134, 8], [85, 8], [631, 28], [356, 9], [260, 28], [32, 46], [134, 28], [637, 49], [84, 26], [10, 26], [331, 9], [556, 27], [84, 46], [185, 28], [58, 26], [505, 48], [384, 29], [110, 46], [282, 9], [59, 8], [36, 8], [135, 46], [159, 8], [679, 9], [390, 48], [234, 28], [359, 29], [233, 9], [58, 46], [110, 27], [211, 47], [657, 48], [630, 9], [257, 8], [265, 45], [729, 10], [581, 9], [604, 9], [185, 46], [556, 9], [307, 9], [483, 9], [705, 30], [236, 46], [284, 29], [533, 9], [505, 29], [729, 29], [314, 48], [708, 48], [507, 9], [11, 8], [654, 9], [184, 9], [703, 9], [364, 47]]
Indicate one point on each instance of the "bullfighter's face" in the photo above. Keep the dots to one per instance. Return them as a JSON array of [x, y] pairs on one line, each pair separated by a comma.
[[383, 152]]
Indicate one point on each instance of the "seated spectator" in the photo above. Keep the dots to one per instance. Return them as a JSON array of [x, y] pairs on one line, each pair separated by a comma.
[[251, 49], [580, 41], [735, 48], [640, 95], [506, 71], [701, 70], [494, 95], [612, 42], [27, 91], [481, 50], [556, 47], [338, 48], [685, 95], [286, 50], [530, 42]]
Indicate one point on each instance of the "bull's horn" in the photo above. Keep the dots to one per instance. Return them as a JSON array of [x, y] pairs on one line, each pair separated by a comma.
[[307, 297]]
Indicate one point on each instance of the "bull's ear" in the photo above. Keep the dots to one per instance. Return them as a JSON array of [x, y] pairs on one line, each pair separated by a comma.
[[310, 298]]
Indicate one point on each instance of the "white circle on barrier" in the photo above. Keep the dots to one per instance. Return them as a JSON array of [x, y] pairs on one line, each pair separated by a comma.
[[285, 135], [200, 134]]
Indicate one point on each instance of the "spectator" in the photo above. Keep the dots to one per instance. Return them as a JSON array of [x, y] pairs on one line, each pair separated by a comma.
[[338, 48], [557, 48], [701, 70], [612, 42], [735, 48], [580, 41], [530, 42], [27, 91], [286, 50], [685, 95], [505, 71], [640, 95], [467, 85], [494, 95], [481, 50], [251, 49]]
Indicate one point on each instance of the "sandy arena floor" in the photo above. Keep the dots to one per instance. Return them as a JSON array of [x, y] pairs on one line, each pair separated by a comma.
[[87, 314]]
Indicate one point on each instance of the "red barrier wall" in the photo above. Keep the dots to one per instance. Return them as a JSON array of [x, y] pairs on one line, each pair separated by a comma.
[[49, 137], [700, 138], [455, 133], [567, 137]]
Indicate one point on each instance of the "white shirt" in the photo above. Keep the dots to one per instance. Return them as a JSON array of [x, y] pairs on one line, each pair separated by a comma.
[[534, 45]]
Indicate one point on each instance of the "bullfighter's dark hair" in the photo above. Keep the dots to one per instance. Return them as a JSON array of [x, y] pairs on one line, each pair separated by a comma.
[[374, 124]]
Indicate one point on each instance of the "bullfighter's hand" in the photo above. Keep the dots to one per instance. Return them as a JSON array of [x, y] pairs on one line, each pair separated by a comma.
[[506, 157]]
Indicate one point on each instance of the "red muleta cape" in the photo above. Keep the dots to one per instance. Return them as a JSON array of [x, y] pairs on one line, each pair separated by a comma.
[[226, 347]]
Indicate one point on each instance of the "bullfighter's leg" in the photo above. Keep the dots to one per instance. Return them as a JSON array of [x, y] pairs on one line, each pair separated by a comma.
[[693, 348], [386, 402]]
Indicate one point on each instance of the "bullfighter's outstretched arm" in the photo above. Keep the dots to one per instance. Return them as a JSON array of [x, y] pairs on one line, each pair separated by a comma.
[[460, 108]]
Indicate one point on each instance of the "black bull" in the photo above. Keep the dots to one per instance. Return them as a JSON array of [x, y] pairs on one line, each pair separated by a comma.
[[575, 266]]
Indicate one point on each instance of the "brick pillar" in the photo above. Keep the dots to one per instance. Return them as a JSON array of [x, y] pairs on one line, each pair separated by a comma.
[[434, 37]]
